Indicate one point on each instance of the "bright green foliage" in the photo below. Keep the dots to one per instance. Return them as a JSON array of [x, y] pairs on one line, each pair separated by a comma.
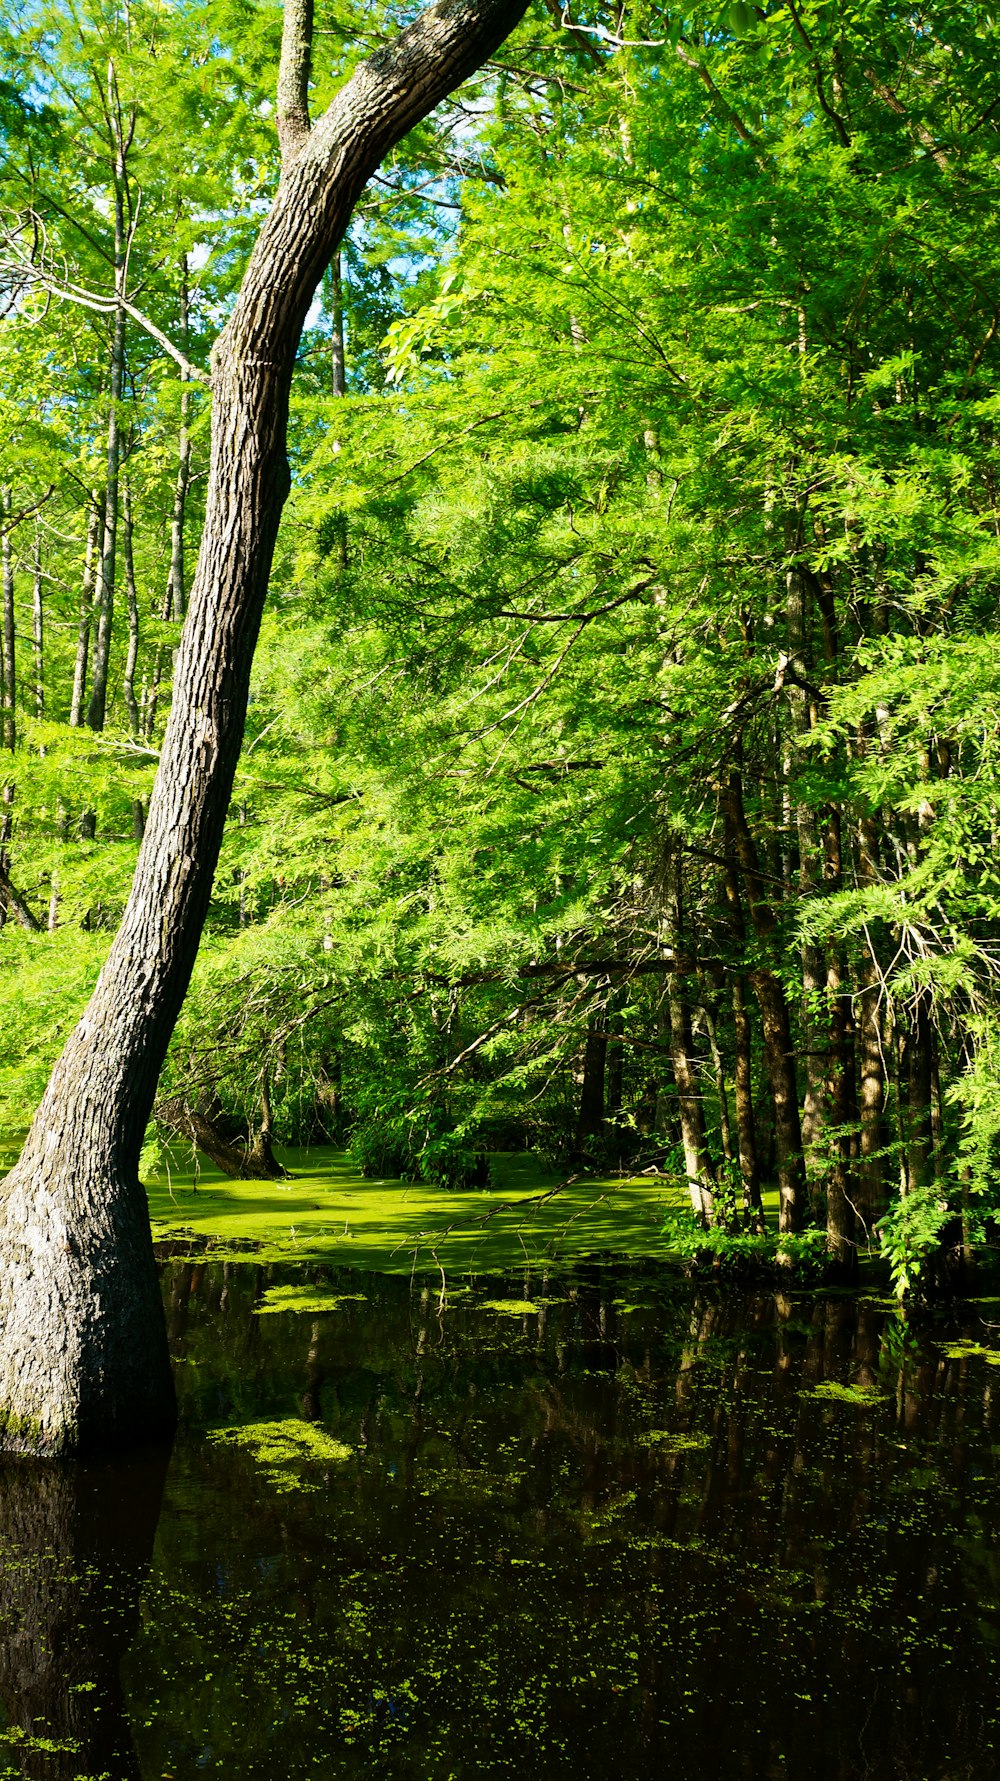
[[666, 472]]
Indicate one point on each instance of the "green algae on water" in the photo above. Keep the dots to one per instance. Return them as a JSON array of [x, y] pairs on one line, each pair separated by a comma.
[[282, 1448], [511, 1307], [831, 1391], [328, 1212], [305, 1300], [671, 1441]]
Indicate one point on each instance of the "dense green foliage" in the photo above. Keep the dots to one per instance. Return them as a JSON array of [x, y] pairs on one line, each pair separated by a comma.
[[621, 776]]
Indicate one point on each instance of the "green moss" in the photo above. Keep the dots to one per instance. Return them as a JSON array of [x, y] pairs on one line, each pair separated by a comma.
[[670, 1441], [20, 1434], [283, 1449], [305, 1299], [833, 1392], [970, 1350]]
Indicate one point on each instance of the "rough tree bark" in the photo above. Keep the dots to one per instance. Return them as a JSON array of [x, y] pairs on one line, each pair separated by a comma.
[[83, 1351]]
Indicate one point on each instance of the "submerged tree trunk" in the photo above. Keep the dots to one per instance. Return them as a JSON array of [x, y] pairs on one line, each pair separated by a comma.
[[255, 1161], [83, 1353]]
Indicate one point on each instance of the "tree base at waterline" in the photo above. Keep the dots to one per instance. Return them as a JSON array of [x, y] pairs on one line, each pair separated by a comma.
[[84, 1364]]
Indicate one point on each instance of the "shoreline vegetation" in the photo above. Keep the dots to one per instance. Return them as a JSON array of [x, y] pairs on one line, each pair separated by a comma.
[[324, 1210]]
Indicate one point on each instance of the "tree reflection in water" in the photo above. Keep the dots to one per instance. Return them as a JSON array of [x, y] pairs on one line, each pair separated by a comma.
[[76, 1543]]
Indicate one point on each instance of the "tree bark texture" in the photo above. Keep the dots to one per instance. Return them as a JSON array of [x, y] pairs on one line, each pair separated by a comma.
[[83, 1352]]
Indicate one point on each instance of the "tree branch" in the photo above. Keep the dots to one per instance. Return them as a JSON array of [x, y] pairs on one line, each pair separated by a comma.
[[293, 77]]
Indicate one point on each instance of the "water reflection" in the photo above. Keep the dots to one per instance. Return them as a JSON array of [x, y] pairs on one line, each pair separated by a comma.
[[610, 1525], [75, 1547]]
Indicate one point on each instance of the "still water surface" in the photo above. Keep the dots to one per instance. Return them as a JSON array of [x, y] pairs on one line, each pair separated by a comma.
[[591, 1524]]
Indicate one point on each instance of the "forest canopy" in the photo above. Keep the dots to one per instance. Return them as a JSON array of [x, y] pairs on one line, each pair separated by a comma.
[[621, 776]]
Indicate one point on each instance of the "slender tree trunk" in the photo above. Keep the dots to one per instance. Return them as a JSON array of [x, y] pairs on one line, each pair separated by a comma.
[[698, 1168], [873, 1187], [775, 1021], [95, 528], [132, 598], [590, 1118], [746, 1130], [338, 361], [840, 1244], [106, 574], [719, 1068], [38, 626], [920, 1145], [697, 1159], [83, 1353], [176, 600], [797, 583], [615, 1067], [9, 668]]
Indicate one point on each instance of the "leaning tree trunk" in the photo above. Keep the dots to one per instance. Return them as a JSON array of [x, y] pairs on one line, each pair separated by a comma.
[[83, 1351]]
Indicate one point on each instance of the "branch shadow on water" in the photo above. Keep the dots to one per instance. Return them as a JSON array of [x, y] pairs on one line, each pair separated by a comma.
[[76, 1541]]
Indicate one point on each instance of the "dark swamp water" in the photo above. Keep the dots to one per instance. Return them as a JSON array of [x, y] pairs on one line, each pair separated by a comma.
[[599, 1524]]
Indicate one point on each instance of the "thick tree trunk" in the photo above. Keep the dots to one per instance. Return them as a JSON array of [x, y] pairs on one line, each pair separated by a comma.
[[83, 1353]]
